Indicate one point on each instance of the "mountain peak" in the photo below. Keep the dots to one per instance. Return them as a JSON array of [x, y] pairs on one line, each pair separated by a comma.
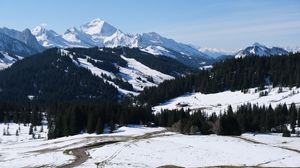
[[98, 27], [256, 44], [260, 50], [38, 30], [97, 20]]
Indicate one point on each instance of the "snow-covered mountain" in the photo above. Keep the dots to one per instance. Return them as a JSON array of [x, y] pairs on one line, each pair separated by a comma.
[[24, 36], [260, 50], [102, 34], [213, 52], [16, 45]]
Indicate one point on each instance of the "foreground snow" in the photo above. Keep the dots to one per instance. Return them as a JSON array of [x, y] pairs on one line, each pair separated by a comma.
[[140, 146], [218, 102], [196, 151]]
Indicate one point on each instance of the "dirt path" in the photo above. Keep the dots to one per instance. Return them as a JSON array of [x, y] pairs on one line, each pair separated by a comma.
[[131, 141], [81, 154]]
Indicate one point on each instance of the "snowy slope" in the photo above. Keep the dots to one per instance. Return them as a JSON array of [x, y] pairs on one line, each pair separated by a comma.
[[260, 50], [6, 60], [49, 38], [135, 73], [218, 102], [138, 75]]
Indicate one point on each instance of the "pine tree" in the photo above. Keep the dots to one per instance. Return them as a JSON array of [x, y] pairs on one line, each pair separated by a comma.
[[31, 129], [91, 124], [112, 126], [99, 126], [292, 116]]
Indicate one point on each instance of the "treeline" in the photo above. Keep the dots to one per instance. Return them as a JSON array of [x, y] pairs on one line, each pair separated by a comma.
[[233, 74], [21, 113], [247, 118], [73, 118]]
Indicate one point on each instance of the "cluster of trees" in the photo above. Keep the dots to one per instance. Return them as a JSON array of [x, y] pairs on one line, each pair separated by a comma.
[[254, 118], [185, 121], [247, 118], [233, 74], [72, 118]]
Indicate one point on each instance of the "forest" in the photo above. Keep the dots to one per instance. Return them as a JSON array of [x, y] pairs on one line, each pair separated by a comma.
[[231, 74]]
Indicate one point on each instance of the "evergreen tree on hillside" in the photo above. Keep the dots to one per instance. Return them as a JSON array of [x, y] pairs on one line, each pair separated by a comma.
[[229, 124], [292, 117]]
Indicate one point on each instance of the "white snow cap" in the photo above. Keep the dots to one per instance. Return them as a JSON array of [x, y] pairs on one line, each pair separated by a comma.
[[98, 27]]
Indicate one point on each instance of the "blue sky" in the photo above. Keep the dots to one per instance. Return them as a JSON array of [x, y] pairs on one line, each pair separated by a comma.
[[226, 24]]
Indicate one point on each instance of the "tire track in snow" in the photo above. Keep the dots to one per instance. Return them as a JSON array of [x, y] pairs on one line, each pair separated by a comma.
[[274, 146]]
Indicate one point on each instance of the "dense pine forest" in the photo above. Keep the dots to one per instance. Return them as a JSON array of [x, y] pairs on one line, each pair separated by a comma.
[[231, 74]]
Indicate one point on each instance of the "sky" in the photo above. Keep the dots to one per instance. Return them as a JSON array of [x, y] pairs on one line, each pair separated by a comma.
[[225, 24]]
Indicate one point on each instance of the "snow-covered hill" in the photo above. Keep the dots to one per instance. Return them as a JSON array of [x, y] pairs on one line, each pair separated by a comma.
[[135, 73], [260, 50], [218, 102], [102, 34]]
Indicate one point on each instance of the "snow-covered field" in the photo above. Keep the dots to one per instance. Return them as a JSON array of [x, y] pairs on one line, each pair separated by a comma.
[[137, 146], [218, 102], [194, 151]]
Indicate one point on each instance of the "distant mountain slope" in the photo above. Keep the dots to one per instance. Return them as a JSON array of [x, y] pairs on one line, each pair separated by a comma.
[[86, 73], [15, 45], [102, 34], [260, 50], [25, 36]]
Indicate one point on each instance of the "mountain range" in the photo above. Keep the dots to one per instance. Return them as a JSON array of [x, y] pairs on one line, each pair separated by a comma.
[[15, 45], [101, 34]]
